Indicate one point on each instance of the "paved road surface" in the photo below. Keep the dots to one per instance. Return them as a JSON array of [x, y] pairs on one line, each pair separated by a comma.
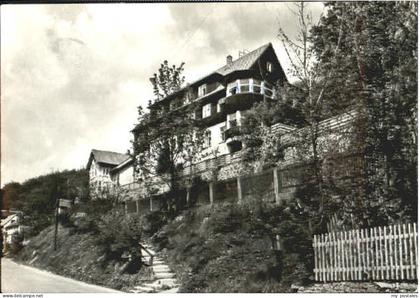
[[16, 278]]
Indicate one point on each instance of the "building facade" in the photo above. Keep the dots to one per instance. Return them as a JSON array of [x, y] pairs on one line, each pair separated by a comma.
[[219, 102], [108, 170], [223, 96]]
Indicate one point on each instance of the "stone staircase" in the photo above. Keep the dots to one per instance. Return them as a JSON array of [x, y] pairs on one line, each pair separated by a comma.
[[164, 280]]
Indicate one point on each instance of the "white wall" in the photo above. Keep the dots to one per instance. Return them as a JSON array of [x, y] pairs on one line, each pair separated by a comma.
[[125, 176]]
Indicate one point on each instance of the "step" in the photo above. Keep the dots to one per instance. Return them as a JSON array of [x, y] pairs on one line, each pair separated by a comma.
[[161, 270], [144, 289], [172, 290], [160, 267], [158, 262], [168, 282], [164, 275]]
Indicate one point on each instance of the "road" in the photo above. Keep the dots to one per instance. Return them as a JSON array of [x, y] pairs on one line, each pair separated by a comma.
[[17, 278]]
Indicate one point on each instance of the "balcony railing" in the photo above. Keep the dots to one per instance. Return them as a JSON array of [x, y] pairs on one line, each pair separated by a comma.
[[232, 132]]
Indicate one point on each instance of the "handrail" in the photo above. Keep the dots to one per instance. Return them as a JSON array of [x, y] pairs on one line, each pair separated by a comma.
[[148, 252]]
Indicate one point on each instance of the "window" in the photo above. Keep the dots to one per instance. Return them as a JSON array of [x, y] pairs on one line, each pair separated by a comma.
[[202, 90], [269, 67], [222, 133], [232, 120], [267, 89], [256, 85], [232, 88], [207, 110], [244, 85], [207, 139]]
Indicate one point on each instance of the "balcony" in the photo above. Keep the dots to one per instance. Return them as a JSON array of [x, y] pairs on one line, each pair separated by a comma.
[[241, 101], [232, 132]]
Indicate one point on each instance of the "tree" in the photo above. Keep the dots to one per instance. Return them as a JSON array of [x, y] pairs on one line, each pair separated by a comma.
[[305, 101], [168, 143], [168, 80], [377, 71]]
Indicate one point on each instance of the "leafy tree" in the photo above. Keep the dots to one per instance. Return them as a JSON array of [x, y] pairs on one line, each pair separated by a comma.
[[36, 197], [377, 71], [169, 142], [168, 80]]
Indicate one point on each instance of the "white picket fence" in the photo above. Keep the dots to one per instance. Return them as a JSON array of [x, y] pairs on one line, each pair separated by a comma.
[[380, 253]]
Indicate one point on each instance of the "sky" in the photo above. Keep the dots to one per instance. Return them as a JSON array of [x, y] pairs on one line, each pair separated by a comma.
[[73, 75]]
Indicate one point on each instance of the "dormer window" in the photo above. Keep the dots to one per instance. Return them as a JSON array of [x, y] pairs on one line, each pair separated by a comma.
[[269, 67], [202, 90]]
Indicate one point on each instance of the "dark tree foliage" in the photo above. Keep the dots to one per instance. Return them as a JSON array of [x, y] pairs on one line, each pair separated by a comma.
[[37, 197], [377, 71]]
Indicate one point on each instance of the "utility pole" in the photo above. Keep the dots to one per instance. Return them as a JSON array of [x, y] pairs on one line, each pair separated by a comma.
[[56, 222]]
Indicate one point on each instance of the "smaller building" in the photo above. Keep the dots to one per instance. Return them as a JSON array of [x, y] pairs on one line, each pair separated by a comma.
[[107, 170], [12, 229]]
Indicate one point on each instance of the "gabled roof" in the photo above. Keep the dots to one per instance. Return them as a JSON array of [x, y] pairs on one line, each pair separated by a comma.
[[123, 165], [244, 62], [107, 157]]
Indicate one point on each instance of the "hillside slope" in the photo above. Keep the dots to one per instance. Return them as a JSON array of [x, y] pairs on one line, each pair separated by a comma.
[[223, 248], [78, 257]]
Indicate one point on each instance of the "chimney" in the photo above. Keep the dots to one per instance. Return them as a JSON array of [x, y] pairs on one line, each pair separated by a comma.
[[229, 59]]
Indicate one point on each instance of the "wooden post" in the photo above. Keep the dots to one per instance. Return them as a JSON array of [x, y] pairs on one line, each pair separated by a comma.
[[395, 250], [391, 253], [188, 195], [406, 271], [386, 254], [400, 244], [415, 249], [315, 245], [126, 207], [410, 234], [211, 193], [151, 204], [137, 206], [276, 185], [238, 180], [359, 256]]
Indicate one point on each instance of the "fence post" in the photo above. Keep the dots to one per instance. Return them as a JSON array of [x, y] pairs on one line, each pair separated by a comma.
[[359, 256], [352, 256], [239, 184], [315, 246], [187, 199], [395, 250], [211, 192], [276, 185], [415, 249], [400, 237], [137, 206], [410, 234], [151, 204], [406, 271], [323, 257], [386, 253]]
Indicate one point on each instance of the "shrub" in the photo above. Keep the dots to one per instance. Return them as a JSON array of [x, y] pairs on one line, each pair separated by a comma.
[[153, 222], [119, 233]]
